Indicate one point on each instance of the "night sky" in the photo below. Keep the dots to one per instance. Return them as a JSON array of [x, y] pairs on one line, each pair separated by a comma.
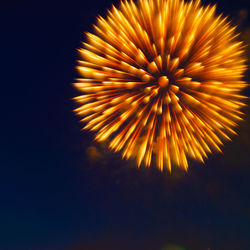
[[59, 190]]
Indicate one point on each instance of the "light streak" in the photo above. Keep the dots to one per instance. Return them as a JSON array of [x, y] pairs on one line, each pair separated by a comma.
[[162, 78]]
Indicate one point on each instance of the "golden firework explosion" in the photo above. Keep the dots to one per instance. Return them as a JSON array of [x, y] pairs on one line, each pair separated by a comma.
[[162, 78]]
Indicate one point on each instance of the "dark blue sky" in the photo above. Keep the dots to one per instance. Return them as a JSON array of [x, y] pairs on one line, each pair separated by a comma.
[[54, 196]]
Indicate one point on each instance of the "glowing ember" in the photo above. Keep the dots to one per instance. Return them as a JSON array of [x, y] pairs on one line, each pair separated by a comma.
[[162, 78]]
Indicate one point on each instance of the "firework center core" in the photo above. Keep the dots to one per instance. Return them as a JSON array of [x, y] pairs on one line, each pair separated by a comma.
[[163, 81]]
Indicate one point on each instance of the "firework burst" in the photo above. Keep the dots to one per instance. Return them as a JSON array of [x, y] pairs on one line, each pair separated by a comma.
[[162, 78]]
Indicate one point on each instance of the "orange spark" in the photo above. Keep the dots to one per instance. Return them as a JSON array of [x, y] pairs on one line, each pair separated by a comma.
[[162, 78]]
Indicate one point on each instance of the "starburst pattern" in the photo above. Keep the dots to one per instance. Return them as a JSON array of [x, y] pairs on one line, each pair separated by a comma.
[[162, 78]]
